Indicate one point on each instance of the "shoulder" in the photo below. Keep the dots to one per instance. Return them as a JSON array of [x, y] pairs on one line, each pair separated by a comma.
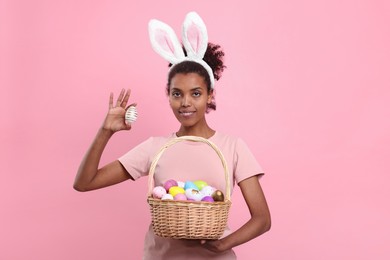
[[227, 140], [231, 144]]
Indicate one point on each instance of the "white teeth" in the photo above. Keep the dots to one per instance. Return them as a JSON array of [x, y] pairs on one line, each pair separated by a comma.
[[131, 115], [187, 113]]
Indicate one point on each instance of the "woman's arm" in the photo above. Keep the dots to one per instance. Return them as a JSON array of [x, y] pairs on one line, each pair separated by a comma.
[[259, 223], [89, 176]]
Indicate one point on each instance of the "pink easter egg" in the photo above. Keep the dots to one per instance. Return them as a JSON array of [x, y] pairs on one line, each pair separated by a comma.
[[169, 183], [180, 196], [158, 192]]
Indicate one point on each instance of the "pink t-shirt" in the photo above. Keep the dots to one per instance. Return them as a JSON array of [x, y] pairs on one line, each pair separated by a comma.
[[190, 161]]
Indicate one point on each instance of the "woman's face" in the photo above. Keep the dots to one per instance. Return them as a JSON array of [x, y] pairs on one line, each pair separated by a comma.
[[188, 98]]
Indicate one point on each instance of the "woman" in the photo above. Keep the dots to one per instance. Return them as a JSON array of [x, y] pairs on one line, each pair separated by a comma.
[[190, 92]]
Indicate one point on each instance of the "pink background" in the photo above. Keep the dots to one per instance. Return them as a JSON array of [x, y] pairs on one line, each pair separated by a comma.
[[307, 87]]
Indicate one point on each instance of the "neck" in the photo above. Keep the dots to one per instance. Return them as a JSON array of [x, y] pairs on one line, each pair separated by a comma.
[[205, 132]]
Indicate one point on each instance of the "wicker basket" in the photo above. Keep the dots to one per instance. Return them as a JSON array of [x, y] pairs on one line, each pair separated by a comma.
[[188, 219]]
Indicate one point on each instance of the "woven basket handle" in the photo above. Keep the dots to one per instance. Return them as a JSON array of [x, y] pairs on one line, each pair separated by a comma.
[[194, 139]]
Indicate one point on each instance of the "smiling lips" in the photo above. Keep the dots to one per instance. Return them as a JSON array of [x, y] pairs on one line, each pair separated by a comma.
[[186, 113]]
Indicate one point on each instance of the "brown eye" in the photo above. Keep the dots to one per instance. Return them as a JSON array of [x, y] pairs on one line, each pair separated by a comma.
[[175, 94]]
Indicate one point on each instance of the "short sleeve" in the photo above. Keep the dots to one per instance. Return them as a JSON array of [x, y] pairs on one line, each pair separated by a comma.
[[137, 160], [246, 164]]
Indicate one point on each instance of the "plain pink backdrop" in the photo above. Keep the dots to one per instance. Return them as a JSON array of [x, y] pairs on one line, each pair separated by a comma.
[[307, 87]]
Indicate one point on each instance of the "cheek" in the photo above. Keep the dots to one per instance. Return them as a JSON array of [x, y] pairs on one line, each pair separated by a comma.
[[172, 103]]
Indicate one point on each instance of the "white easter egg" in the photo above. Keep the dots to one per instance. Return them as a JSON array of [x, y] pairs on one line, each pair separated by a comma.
[[208, 190], [131, 114], [194, 194], [167, 197]]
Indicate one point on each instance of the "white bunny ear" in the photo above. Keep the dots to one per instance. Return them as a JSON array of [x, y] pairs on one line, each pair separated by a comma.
[[165, 42], [195, 38]]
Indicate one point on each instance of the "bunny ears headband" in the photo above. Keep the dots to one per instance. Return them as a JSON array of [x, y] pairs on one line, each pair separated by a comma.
[[194, 37]]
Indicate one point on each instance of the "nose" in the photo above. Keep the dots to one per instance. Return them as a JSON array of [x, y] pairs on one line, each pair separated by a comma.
[[185, 102]]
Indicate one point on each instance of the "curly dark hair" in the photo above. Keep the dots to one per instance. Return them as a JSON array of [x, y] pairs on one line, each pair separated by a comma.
[[213, 57]]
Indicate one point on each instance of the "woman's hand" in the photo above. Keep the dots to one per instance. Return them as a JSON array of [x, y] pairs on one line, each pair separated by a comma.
[[115, 119], [215, 246], [89, 175]]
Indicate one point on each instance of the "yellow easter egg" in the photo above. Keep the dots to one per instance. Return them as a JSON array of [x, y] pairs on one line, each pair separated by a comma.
[[174, 190]]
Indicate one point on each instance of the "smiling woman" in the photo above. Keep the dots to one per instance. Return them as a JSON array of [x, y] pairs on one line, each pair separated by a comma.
[[190, 88], [189, 99]]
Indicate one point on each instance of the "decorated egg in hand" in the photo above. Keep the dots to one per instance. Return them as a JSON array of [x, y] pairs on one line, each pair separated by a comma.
[[218, 196], [158, 192], [194, 194], [208, 199], [169, 183], [167, 197], [174, 190], [190, 185], [208, 190], [131, 115], [200, 184]]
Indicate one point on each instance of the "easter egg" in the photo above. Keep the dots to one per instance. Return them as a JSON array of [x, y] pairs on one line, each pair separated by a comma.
[[169, 183], [180, 196], [208, 190], [194, 194], [167, 197], [131, 115], [174, 190], [190, 185], [180, 184], [208, 199], [158, 192], [218, 195], [200, 184]]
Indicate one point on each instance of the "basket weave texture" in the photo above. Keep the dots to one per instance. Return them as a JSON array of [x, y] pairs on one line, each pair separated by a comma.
[[188, 219]]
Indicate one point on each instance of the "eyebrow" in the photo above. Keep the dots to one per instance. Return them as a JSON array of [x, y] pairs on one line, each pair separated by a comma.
[[193, 89]]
